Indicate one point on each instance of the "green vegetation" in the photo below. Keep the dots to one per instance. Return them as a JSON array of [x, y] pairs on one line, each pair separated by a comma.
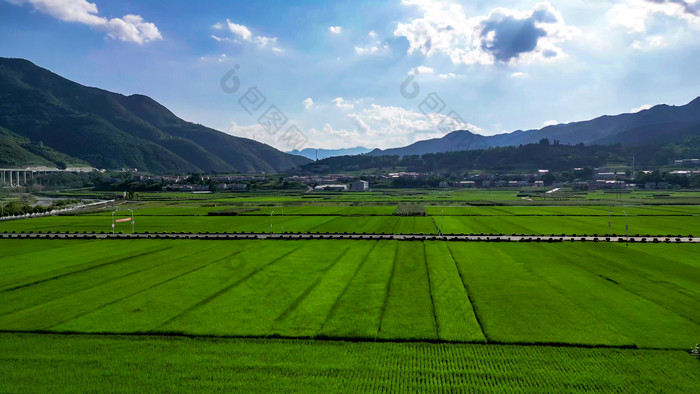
[[573, 293], [43, 363], [524, 157], [659, 221], [353, 315]]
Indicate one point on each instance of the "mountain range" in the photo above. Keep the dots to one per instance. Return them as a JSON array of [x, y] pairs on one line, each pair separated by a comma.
[[46, 119], [321, 154], [657, 125]]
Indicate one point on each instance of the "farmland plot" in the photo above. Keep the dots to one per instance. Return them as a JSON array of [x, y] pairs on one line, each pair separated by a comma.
[[644, 295], [43, 363]]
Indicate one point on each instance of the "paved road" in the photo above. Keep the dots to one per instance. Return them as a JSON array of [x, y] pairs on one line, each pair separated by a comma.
[[411, 237]]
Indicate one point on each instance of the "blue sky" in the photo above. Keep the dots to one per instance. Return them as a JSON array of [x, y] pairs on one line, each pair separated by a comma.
[[335, 69]]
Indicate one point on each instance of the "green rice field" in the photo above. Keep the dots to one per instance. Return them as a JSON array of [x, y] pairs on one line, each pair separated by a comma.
[[89, 363], [267, 315], [643, 296], [196, 217]]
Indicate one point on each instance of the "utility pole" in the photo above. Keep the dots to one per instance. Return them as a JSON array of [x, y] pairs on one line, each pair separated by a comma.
[[627, 233], [271, 222]]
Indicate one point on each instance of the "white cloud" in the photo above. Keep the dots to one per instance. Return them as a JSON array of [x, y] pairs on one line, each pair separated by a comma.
[[503, 35], [650, 42], [129, 28], [389, 126], [640, 109], [635, 16], [518, 74], [372, 34], [449, 76], [362, 123], [308, 103], [422, 70], [242, 33], [254, 132], [550, 123], [342, 104], [369, 50], [335, 29]]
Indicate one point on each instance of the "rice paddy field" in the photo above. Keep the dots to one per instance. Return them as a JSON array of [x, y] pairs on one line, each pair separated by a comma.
[[90, 363], [354, 315], [204, 217]]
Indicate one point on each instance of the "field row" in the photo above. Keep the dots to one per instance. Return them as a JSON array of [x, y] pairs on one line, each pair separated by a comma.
[[536, 225], [43, 363], [449, 196], [579, 294], [203, 209]]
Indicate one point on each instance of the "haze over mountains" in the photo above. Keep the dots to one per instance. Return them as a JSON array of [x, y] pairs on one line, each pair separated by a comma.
[[320, 154], [46, 119], [657, 125]]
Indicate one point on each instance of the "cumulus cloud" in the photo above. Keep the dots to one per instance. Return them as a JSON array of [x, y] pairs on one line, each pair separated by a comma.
[[366, 50], [254, 132], [550, 123], [390, 126], [362, 123], [422, 70], [129, 28], [504, 35], [335, 29], [640, 109], [518, 74], [650, 42], [637, 15], [241, 33], [342, 104], [308, 103], [372, 34], [370, 49]]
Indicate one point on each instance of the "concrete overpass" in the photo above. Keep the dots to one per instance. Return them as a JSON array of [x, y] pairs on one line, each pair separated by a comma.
[[16, 177]]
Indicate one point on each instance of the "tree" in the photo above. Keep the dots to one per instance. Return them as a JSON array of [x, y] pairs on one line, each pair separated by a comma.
[[548, 179]]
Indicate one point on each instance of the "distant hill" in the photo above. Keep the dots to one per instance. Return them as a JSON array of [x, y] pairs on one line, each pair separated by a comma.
[[76, 124], [522, 158], [660, 124], [455, 141], [312, 154]]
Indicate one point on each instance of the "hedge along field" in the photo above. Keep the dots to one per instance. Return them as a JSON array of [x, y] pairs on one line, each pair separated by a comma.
[[571, 293], [42, 363]]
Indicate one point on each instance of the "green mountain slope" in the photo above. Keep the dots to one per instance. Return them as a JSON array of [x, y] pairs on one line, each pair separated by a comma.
[[16, 150], [110, 130]]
